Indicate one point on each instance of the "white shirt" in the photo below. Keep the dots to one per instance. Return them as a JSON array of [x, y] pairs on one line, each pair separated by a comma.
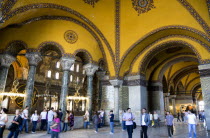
[[43, 115], [142, 121], [25, 114], [3, 118], [155, 116], [191, 118], [50, 115], [35, 117], [150, 116], [102, 114], [127, 116]]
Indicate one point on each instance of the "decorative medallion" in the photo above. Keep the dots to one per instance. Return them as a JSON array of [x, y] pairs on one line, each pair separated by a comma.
[[70, 36], [91, 2], [142, 6]]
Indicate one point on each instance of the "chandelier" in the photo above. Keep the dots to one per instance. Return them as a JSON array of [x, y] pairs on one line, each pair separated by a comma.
[[91, 2]]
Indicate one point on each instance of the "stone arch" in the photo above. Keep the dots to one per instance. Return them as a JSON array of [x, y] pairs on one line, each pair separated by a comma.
[[84, 55], [195, 88], [15, 46]]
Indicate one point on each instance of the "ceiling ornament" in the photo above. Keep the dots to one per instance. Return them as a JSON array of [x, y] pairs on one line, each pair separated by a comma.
[[142, 6], [91, 2], [70, 36]]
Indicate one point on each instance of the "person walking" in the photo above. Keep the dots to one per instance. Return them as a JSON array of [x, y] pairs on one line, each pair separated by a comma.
[[66, 121], [111, 117], [43, 117], [145, 121], [55, 127], [3, 121], [156, 119], [96, 121], [169, 122], [178, 117], [86, 119], [129, 117], [50, 115], [191, 119], [185, 116], [182, 115], [150, 117], [34, 120], [14, 127], [123, 122], [71, 121], [102, 118], [25, 120]]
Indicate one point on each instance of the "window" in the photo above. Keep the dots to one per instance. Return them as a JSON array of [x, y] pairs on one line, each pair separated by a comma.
[[77, 80], [77, 67], [58, 65], [201, 105], [49, 73], [57, 75], [72, 68], [83, 72], [71, 78]]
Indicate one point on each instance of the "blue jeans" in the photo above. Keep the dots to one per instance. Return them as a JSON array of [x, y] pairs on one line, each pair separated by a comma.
[[54, 134], [24, 124], [96, 127], [48, 127], [123, 125], [15, 133], [190, 128], [34, 126], [43, 124], [112, 127], [65, 126], [86, 124]]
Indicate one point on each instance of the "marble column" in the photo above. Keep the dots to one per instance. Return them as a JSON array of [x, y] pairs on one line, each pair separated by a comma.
[[166, 99], [6, 61], [173, 97], [116, 83], [205, 85], [33, 59], [100, 75], [66, 63], [90, 70]]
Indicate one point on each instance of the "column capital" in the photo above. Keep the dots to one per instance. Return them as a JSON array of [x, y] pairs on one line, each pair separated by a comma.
[[6, 60], [90, 69], [67, 62], [116, 83], [172, 96], [33, 58], [100, 74], [166, 94]]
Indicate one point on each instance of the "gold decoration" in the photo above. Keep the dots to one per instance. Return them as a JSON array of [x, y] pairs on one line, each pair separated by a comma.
[[142, 6], [91, 2], [70, 36]]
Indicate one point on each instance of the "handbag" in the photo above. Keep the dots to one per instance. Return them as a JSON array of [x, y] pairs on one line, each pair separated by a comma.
[[134, 123], [12, 127]]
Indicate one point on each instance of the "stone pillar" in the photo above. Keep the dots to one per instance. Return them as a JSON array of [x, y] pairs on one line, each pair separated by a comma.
[[66, 63], [205, 85], [166, 99], [173, 97], [6, 61], [100, 75], [33, 59], [90, 70], [116, 83]]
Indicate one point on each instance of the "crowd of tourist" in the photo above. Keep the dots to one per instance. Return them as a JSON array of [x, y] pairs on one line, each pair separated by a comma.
[[55, 122]]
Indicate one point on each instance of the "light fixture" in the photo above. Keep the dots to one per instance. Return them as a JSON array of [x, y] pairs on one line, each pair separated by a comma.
[[91, 2]]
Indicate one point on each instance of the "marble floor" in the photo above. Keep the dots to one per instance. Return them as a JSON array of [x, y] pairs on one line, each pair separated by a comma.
[[161, 132]]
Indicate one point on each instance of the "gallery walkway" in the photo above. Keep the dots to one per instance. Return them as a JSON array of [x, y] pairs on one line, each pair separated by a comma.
[[180, 132]]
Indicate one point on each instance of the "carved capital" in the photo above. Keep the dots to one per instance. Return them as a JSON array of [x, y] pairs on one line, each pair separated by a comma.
[[100, 74], [116, 83], [90, 69], [67, 62], [6, 60], [33, 58]]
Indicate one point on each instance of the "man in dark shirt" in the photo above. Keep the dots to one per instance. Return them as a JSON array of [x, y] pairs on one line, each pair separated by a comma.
[[111, 117]]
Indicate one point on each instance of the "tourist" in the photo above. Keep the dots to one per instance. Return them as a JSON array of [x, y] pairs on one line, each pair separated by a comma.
[[182, 115], [156, 119], [34, 119], [86, 119], [169, 122], [25, 120], [55, 126], [96, 121], [43, 117], [66, 121], [102, 118], [185, 116], [50, 119], [60, 115], [71, 121], [145, 121], [111, 117], [14, 127], [123, 122], [3, 121], [191, 118], [150, 117], [21, 114], [178, 117], [129, 117]]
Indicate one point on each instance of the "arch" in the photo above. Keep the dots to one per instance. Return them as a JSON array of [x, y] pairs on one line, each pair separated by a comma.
[[50, 45], [198, 77], [195, 88], [84, 55], [102, 64], [15, 46]]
